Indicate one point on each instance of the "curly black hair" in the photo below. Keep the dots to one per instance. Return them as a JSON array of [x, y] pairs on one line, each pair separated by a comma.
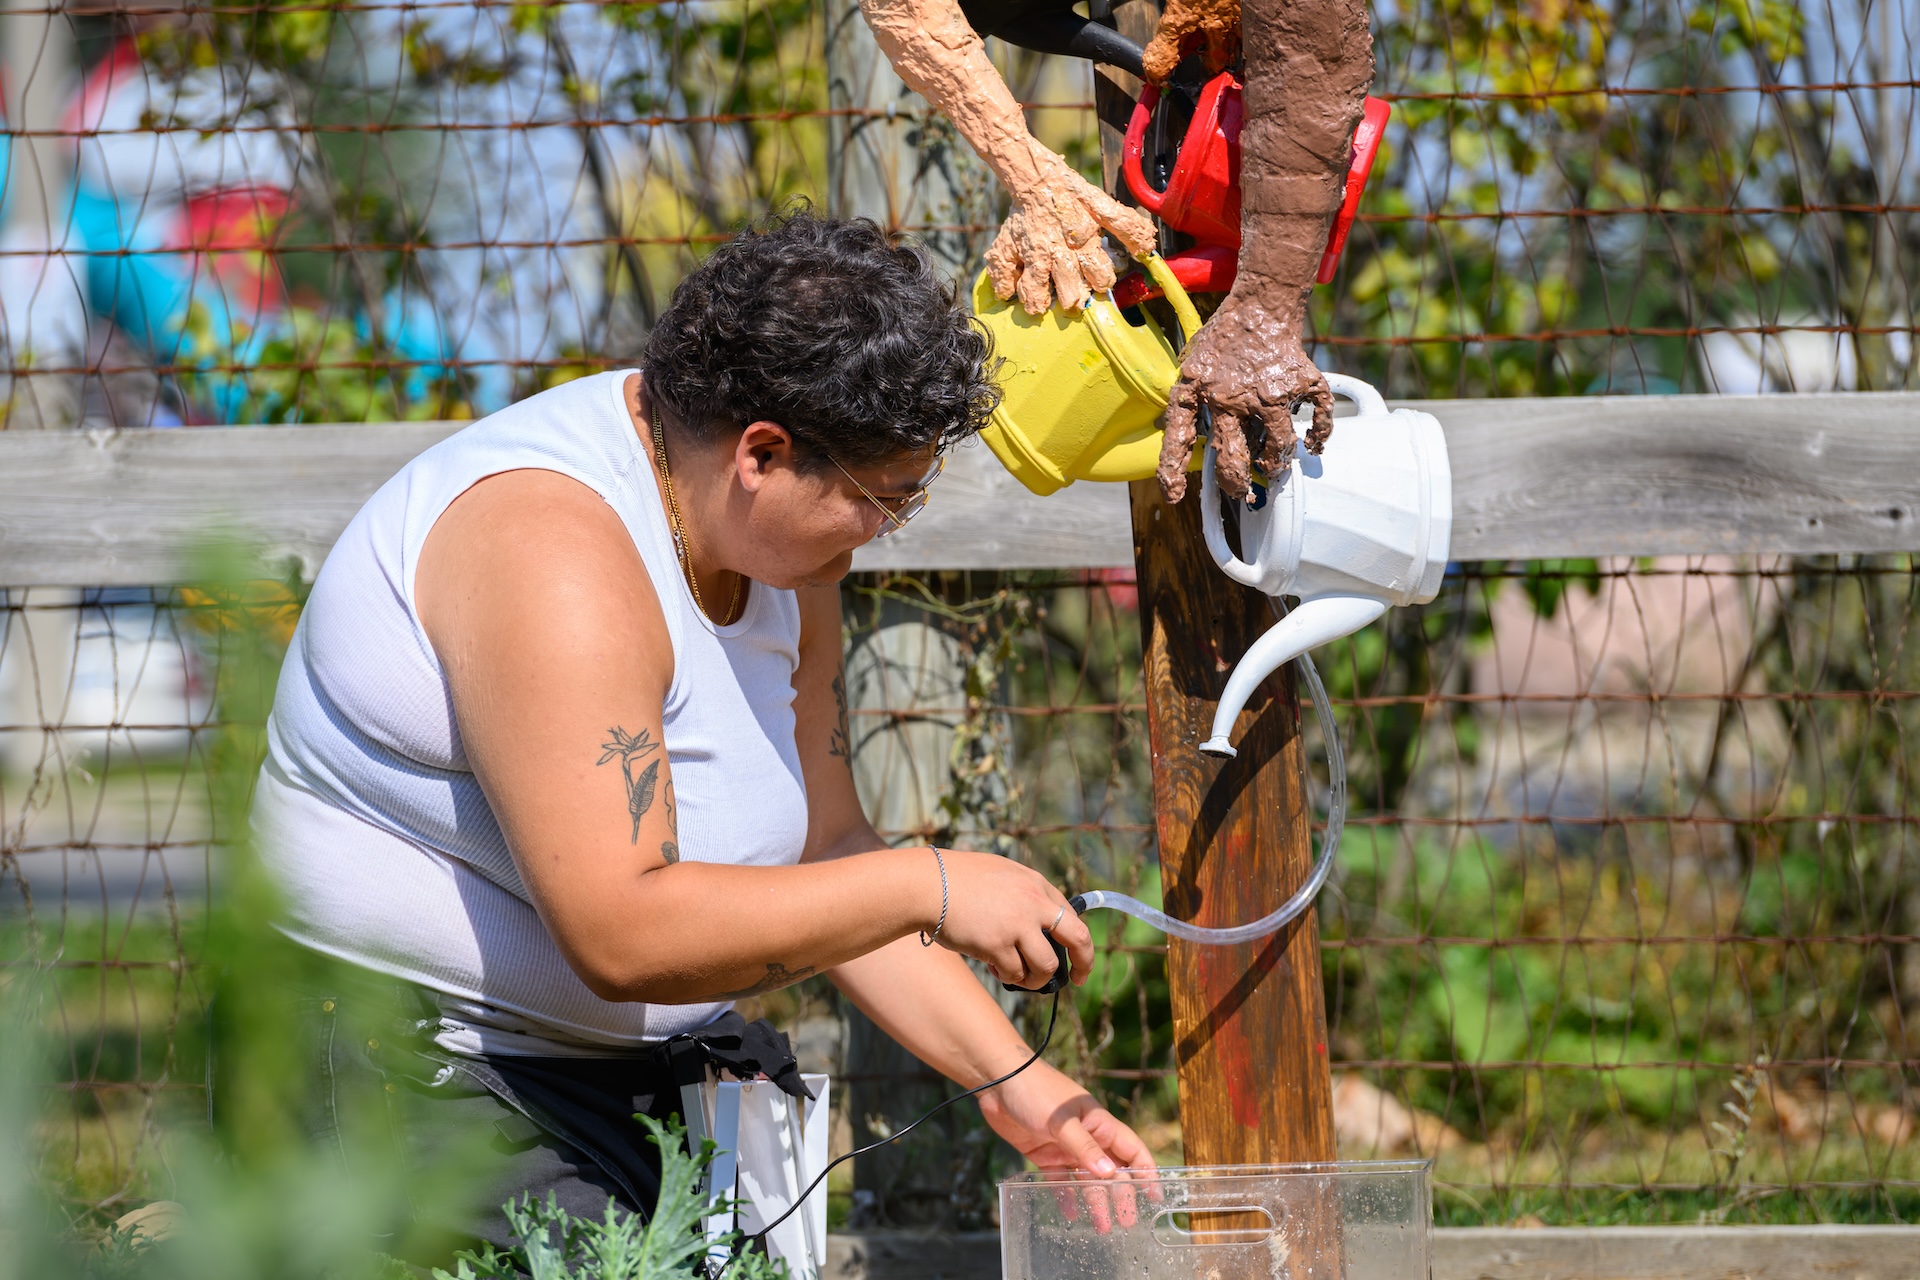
[[848, 338]]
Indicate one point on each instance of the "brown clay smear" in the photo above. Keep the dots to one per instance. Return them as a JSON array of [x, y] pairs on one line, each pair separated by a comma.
[[1308, 64], [1217, 22], [1050, 244]]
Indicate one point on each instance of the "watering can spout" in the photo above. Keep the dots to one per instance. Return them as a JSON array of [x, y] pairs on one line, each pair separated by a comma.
[[1312, 623]]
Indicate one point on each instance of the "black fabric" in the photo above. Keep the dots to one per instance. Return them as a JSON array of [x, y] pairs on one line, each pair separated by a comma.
[[588, 1104], [745, 1049], [591, 1102]]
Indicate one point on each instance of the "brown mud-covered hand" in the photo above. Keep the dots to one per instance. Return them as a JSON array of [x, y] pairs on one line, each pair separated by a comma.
[[1249, 369], [1308, 64], [1216, 22], [1050, 246]]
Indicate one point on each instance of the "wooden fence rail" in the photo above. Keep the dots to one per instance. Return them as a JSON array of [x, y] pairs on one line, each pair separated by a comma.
[[1540, 478]]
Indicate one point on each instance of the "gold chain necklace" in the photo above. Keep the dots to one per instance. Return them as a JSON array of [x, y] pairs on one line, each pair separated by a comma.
[[680, 534]]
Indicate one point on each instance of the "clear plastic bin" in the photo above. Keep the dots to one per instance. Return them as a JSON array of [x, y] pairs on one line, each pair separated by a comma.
[[1363, 1220]]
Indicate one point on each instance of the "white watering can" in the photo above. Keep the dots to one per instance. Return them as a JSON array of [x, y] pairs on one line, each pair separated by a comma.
[[1364, 526]]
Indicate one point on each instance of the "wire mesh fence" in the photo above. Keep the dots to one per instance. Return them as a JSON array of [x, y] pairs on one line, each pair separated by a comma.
[[265, 212], [1625, 927], [1625, 922]]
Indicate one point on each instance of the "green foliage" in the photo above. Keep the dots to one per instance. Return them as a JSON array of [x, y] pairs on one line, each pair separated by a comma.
[[1123, 1008], [317, 367], [1485, 303], [555, 1245], [1541, 999], [1546, 582], [1087, 763], [262, 1200], [255, 1035], [373, 164], [363, 179]]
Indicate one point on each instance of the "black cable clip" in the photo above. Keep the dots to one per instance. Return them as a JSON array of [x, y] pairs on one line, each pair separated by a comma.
[[1062, 971]]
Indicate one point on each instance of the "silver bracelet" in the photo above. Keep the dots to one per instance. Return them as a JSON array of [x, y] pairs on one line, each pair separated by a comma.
[[926, 939]]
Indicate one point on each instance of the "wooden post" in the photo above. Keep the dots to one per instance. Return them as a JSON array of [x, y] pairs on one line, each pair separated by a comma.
[[1250, 1030], [1249, 1022]]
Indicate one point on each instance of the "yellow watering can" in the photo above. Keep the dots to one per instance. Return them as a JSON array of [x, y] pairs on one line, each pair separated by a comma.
[[1081, 394]]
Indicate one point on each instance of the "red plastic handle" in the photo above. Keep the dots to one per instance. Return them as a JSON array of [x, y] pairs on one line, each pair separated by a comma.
[[1135, 143], [1209, 268], [1366, 144]]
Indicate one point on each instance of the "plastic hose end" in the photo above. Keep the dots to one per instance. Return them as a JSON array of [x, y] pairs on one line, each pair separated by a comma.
[[1217, 746]]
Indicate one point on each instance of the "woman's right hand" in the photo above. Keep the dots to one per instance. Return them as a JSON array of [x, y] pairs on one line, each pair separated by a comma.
[[999, 912]]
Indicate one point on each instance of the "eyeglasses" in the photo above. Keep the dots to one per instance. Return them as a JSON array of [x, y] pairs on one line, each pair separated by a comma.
[[902, 509]]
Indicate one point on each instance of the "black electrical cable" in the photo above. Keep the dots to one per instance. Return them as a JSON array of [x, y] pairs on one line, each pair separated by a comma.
[[1052, 1018]]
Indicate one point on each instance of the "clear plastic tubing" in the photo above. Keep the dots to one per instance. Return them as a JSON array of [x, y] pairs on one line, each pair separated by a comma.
[[1303, 896]]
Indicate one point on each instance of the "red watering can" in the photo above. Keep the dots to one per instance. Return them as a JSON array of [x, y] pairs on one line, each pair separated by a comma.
[[1202, 196], [1203, 191]]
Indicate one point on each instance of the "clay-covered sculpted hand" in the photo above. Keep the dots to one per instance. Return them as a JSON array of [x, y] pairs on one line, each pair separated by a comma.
[[1308, 63], [1250, 370], [1216, 22], [1050, 246], [1050, 242]]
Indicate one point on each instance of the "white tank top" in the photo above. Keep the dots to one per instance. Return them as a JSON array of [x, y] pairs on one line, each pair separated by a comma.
[[386, 850]]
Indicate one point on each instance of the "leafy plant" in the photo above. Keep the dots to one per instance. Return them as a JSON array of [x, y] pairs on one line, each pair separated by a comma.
[[555, 1245]]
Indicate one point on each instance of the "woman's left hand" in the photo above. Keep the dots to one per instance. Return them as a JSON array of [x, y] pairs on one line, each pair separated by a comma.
[[1056, 1124]]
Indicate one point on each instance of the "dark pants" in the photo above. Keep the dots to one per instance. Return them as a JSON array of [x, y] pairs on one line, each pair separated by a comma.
[[511, 1126]]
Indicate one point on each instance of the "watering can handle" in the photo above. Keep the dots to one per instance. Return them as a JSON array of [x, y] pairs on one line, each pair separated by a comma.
[[1135, 143], [1361, 393], [1210, 525], [1176, 294]]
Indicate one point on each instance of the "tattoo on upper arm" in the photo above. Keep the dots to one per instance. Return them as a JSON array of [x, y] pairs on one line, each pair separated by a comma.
[[778, 975], [841, 743], [670, 849], [629, 750]]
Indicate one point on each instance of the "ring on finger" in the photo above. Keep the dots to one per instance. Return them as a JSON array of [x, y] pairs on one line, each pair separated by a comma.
[[1057, 919]]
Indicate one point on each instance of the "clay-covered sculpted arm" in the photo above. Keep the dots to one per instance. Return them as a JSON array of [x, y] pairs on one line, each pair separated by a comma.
[[1050, 244], [1215, 22], [1308, 64]]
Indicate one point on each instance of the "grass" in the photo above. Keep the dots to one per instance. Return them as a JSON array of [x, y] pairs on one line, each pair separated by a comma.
[[124, 1034], [1644, 1176], [1654, 1206]]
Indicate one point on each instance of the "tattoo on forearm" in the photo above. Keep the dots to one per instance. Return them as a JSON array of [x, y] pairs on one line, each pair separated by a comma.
[[778, 975], [630, 750], [841, 743]]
